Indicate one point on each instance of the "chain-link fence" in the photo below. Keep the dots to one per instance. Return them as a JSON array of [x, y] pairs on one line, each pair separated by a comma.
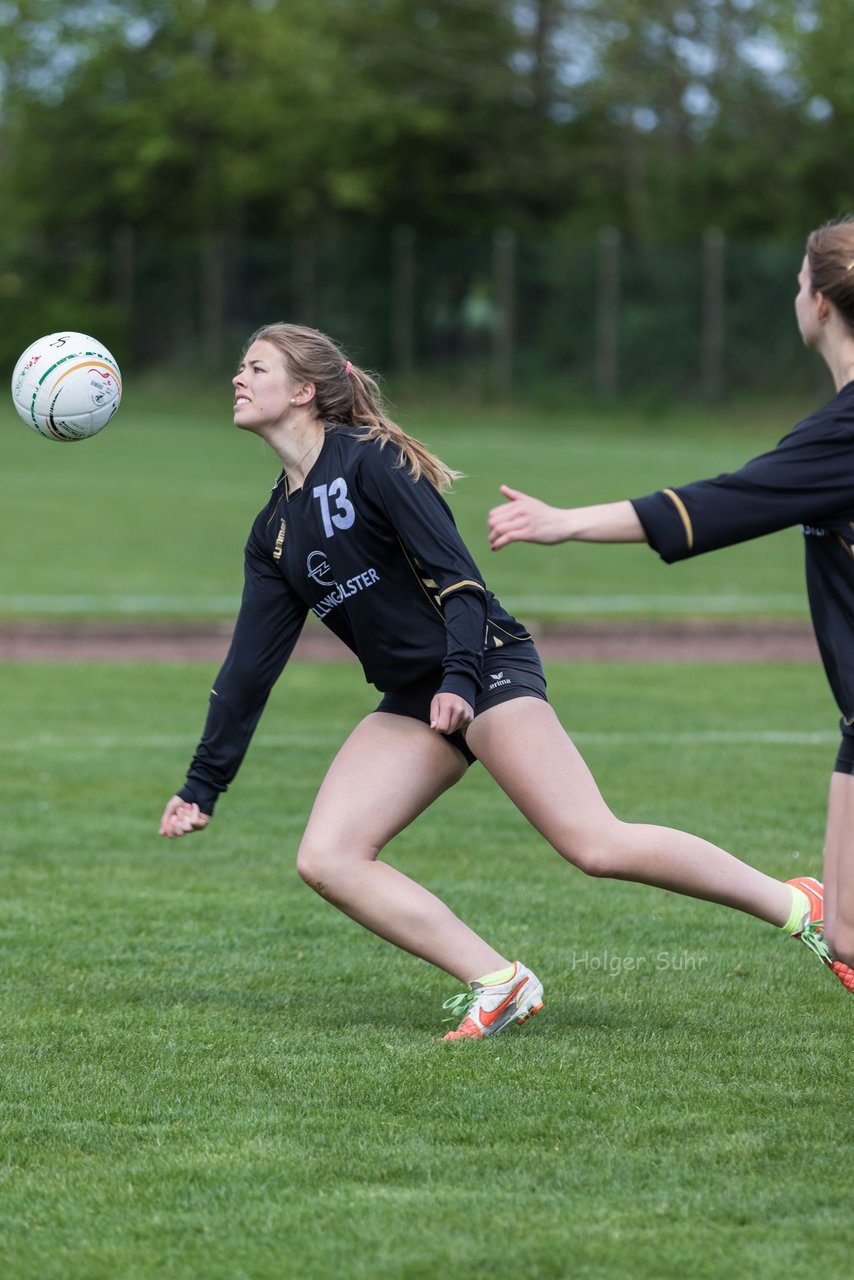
[[507, 316]]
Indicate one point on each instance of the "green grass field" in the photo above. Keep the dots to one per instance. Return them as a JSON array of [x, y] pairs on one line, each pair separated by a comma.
[[150, 517], [209, 1074]]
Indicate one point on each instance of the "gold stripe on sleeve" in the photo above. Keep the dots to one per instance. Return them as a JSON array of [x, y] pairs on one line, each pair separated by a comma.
[[456, 586], [683, 515]]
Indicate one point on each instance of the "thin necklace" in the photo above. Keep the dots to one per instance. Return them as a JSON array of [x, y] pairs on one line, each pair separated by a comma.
[[299, 463]]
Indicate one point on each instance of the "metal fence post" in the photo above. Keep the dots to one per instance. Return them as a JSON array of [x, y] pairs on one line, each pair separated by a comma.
[[607, 312], [123, 272], [402, 309], [714, 244], [305, 278], [213, 297], [504, 329]]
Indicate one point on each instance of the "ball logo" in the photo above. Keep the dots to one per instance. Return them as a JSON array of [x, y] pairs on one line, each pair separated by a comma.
[[318, 569], [102, 386], [23, 373]]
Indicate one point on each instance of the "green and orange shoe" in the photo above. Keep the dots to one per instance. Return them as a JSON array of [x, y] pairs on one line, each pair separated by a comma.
[[489, 1007], [813, 891], [812, 935], [845, 974], [811, 932]]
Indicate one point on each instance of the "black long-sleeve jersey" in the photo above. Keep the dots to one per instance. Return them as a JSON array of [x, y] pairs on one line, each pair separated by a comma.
[[808, 479], [376, 556]]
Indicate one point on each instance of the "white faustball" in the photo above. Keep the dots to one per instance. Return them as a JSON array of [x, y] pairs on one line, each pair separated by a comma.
[[66, 386]]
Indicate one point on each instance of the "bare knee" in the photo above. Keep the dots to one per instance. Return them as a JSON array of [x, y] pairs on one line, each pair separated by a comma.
[[316, 867], [594, 861], [596, 852], [325, 867]]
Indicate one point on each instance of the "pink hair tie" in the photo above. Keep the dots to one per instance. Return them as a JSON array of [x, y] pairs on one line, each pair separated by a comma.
[[347, 367]]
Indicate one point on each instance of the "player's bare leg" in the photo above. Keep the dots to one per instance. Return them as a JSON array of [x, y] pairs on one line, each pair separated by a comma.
[[390, 769], [838, 874], [531, 757]]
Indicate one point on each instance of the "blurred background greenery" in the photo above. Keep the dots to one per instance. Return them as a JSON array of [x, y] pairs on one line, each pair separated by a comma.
[[149, 519], [496, 197]]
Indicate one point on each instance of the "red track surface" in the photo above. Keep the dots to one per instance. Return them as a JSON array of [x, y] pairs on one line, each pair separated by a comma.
[[580, 642]]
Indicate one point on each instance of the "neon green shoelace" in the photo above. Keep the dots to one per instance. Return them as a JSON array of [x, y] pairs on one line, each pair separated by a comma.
[[459, 1005], [812, 936]]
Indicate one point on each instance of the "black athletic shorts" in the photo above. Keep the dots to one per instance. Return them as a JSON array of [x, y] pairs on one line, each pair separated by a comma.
[[514, 671], [845, 758]]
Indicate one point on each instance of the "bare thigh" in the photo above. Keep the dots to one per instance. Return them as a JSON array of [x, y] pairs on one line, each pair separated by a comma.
[[525, 748], [390, 769], [527, 751]]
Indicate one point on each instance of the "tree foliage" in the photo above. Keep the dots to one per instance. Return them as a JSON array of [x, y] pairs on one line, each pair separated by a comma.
[[266, 116]]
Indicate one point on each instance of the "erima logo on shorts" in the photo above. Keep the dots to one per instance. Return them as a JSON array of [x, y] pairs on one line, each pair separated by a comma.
[[497, 679]]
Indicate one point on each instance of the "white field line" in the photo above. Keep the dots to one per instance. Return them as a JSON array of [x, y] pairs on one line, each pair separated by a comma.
[[732, 602], [129, 604], [215, 605], [168, 742]]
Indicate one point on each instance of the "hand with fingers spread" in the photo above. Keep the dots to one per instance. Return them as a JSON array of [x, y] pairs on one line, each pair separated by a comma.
[[180, 818], [525, 519]]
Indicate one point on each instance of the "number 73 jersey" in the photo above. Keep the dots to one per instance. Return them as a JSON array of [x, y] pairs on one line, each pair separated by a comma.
[[377, 558]]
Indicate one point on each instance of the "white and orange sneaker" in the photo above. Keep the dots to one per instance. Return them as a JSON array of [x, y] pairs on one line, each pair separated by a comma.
[[489, 1007]]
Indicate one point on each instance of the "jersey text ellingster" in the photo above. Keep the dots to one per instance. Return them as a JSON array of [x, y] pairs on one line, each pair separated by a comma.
[[343, 590]]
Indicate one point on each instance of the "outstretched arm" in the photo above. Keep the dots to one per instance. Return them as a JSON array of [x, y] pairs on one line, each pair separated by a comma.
[[526, 519], [267, 628]]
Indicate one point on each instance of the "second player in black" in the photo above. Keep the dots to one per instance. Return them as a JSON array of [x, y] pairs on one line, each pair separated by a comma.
[[807, 480]]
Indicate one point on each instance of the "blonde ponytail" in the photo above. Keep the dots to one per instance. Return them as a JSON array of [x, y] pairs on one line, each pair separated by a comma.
[[346, 395], [369, 415]]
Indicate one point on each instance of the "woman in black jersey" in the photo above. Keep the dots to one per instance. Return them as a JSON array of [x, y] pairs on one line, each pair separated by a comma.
[[808, 479], [357, 532]]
